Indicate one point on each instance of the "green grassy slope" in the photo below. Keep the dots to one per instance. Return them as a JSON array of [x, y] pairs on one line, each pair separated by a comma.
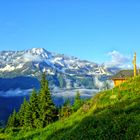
[[110, 115]]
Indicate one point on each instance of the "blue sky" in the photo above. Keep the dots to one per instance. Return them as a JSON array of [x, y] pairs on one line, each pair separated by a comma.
[[95, 30]]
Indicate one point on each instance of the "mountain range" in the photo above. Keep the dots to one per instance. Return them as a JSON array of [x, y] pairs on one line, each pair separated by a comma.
[[20, 71], [62, 71]]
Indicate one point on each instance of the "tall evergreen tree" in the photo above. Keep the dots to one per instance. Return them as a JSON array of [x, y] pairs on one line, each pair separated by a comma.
[[28, 122], [13, 120], [34, 105], [21, 112], [47, 108]]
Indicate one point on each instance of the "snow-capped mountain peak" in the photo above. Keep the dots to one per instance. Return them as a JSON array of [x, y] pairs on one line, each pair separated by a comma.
[[40, 52], [63, 70]]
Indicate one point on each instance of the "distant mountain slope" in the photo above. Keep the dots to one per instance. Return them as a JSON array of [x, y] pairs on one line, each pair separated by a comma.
[[62, 71], [18, 83], [110, 115]]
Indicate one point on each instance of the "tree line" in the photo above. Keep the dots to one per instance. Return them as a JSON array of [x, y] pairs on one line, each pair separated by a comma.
[[40, 110]]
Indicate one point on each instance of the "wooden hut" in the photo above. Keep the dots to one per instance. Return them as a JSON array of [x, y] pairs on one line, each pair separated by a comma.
[[122, 76]]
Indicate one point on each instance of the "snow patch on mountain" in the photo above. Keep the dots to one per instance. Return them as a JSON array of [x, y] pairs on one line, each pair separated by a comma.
[[7, 68], [63, 71]]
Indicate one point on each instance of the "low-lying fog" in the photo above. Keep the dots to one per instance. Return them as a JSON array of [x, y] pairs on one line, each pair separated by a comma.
[[12, 99]]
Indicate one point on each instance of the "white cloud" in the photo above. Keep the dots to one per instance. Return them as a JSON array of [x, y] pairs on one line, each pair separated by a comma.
[[29, 57], [119, 60]]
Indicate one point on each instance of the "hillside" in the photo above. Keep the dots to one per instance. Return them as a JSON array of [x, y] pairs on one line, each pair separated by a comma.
[[111, 115], [18, 83]]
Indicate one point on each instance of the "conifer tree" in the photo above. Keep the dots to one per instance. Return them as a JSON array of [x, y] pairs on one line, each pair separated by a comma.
[[66, 110], [13, 120], [34, 105], [10, 121], [46, 106], [21, 112], [28, 122], [77, 102]]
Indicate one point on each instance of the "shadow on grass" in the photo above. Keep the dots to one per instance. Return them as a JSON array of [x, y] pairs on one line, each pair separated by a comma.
[[120, 121]]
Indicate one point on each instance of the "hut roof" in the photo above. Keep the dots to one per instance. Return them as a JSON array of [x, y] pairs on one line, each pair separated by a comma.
[[123, 74]]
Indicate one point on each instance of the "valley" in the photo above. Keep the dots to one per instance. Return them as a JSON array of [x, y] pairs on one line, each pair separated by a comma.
[[20, 72]]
